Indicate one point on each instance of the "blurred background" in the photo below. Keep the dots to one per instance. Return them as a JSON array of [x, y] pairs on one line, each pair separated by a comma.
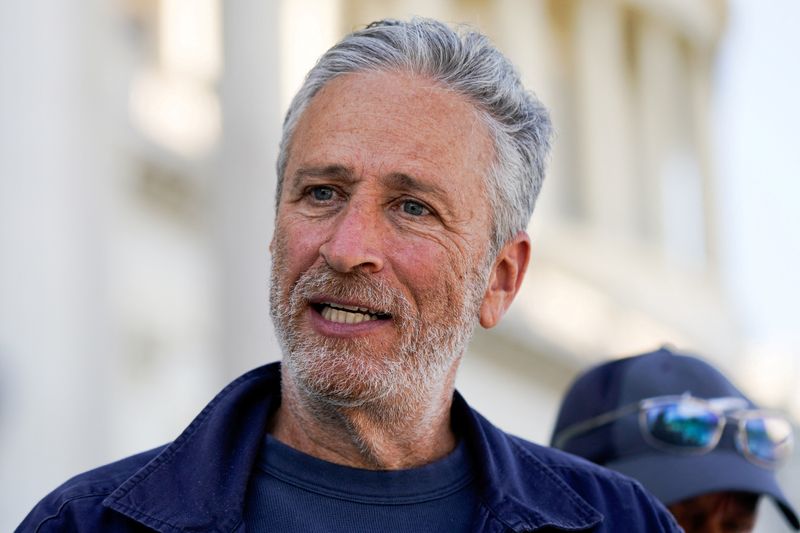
[[137, 149]]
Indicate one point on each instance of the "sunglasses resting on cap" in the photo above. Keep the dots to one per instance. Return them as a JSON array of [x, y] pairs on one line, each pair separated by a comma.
[[686, 424]]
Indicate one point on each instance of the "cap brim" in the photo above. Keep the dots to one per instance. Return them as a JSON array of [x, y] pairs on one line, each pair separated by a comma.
[[672, 478]]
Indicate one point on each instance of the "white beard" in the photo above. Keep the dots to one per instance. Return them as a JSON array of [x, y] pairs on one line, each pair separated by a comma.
[[359, 371]]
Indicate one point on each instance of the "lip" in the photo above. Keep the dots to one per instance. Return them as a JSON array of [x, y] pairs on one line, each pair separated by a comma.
[[317, 300], [336, 329]]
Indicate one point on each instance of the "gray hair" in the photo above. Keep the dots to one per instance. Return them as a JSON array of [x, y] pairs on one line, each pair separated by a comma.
[[466, 62]]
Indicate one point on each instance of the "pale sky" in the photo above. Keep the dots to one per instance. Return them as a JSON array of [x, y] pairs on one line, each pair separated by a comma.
[[758, 159]]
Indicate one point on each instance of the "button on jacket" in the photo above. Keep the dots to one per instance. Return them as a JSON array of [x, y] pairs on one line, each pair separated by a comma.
[[197, 483]]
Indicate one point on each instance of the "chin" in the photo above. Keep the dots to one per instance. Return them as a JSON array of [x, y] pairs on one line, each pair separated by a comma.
[[345, 376]]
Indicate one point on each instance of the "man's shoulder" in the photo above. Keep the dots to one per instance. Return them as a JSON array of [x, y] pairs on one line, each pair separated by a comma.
[[202, 469], [79, 499], [107, 477], [530, 459], [538, 486], [620, 499], [570, 466]]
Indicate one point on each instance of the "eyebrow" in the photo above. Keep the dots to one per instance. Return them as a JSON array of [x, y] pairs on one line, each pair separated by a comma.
[[339, 172], [395, 180], [405, 182]]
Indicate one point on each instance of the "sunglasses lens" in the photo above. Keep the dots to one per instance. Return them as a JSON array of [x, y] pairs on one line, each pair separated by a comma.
[[768, 439], [683, 424]]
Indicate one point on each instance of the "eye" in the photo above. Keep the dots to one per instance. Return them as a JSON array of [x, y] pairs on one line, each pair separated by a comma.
[[413, 208], [321, 193]]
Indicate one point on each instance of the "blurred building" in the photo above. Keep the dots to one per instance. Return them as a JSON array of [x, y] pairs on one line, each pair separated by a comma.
[[136, 208]]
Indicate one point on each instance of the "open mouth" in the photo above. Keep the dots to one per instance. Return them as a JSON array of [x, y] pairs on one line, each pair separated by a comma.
[[348, 314]]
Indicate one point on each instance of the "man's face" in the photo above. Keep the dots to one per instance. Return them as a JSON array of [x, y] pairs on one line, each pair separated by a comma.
[[717, 512], [381, 239]]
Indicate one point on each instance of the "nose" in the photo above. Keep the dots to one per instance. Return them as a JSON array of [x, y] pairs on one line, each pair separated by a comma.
[[355, 242]]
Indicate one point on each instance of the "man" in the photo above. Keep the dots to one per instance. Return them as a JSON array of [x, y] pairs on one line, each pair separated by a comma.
[[676, 424], [408, 170]]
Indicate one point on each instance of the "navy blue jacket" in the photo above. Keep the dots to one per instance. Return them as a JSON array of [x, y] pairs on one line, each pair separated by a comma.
[[197, 483]]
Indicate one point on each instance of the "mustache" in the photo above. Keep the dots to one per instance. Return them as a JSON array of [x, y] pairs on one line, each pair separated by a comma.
[[367, 290]]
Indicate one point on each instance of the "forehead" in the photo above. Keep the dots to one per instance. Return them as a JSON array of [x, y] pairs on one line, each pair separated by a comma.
[[381, 122]]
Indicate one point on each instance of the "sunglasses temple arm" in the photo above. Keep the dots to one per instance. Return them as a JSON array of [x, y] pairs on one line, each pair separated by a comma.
[[570, 432]]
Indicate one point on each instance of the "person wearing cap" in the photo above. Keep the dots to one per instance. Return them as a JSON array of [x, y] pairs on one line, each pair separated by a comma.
[[680, 427]]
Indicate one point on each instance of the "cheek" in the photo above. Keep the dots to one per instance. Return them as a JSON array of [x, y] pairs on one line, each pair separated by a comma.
[[431, 271], [295, 249]]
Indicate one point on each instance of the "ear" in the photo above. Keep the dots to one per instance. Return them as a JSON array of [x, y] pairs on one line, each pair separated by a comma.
[[505, 279]]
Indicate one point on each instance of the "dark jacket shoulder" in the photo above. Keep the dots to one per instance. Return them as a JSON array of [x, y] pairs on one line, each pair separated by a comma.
[[621, 500], [78, 501]]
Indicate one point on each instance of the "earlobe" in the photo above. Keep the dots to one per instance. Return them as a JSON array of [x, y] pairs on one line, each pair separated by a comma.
[[505, 279]]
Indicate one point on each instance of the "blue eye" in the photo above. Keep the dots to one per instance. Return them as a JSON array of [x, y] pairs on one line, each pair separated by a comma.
[[414, 208], [321, 194]]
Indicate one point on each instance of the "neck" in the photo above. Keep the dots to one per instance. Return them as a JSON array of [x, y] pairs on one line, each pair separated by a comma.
[[394, 433]]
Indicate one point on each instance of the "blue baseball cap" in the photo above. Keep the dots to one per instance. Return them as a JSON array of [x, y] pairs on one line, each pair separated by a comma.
[[620, 445]]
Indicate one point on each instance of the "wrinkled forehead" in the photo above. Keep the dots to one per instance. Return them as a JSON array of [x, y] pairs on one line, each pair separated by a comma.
[[402, 107]]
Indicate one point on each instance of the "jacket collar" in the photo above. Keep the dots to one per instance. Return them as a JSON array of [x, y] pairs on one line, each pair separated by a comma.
[[171, 493], [198, 482], [519, 489]]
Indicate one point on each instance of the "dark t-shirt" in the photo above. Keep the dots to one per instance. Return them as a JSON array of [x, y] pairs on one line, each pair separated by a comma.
[[291, 491]]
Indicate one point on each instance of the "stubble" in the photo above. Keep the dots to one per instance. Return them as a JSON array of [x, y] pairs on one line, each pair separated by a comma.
[[362, 372]]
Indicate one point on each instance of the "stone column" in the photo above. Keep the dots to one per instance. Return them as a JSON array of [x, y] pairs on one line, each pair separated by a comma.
[[56, 169], [243, 193], [605, 110]]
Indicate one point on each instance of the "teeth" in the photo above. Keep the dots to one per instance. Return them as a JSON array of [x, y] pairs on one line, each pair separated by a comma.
[[342, 316], [352, 308]]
